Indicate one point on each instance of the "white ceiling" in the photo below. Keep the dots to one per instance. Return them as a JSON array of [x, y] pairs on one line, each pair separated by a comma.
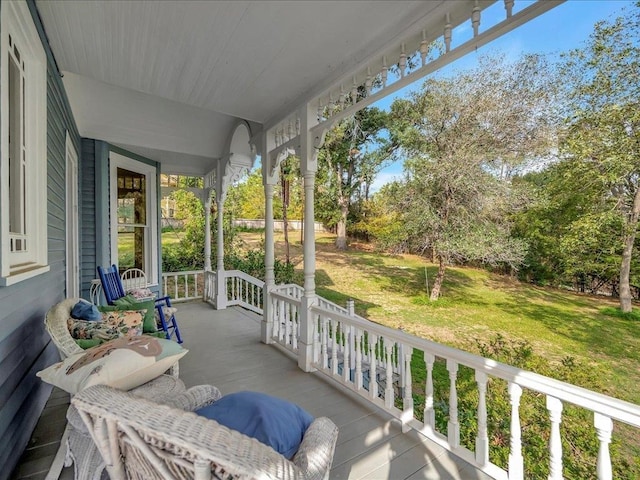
[[170, 78]]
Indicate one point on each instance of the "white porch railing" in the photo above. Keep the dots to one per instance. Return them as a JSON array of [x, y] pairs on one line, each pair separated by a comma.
[[180, 286], [375, 362], [183, 286], [245, 291]]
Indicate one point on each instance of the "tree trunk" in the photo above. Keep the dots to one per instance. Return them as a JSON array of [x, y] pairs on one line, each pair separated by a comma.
[[435, 291], [627, 252], [341, 227]]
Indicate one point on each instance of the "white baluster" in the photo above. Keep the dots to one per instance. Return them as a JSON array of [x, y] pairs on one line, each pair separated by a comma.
[[195, 279], [352, 347], [407, 400], [388, 393], [385, 72], [320, 113], [294, 326], [368, 82], [604, 427], [342, 99], [453, 427], [297, 125], [429, 411], [555, 443], [346, 360], [373, 374], [290, 129], [324, 339], [403, 61], [275, 333], [354, 92], [482, 439], [287, 323], [358, 374], [175, 286], [281, 320], [516, 463], [475, 18], [186, 287], [424, 48], [334, 347], [447, 34], [508, 5]]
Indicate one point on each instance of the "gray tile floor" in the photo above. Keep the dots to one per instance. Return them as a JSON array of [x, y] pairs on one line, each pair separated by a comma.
[[225, 351]]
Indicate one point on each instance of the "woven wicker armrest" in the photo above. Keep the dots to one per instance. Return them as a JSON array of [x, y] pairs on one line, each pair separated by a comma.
[[315, 454], [194, 398]]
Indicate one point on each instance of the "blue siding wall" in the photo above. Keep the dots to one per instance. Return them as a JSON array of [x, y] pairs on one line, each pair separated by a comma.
[[94, 217], [25, 347]]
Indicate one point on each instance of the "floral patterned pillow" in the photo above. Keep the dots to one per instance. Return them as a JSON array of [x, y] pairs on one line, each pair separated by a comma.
[[115, 324]]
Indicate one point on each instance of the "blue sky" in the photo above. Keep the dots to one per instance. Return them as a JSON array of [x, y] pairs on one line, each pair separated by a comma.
[[563, 28]]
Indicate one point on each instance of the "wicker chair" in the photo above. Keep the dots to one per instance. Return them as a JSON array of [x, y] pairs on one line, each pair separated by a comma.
[[174, 444], [77, 447]]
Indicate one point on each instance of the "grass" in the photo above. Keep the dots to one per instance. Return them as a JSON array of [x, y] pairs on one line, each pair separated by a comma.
[[475, 306]]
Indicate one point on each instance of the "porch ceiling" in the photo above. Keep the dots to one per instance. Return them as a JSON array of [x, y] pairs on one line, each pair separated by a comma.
[[170, 78]]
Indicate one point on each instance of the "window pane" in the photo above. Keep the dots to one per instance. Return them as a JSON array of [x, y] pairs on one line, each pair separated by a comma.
[[131, 247], [132, 198], [16, 170]]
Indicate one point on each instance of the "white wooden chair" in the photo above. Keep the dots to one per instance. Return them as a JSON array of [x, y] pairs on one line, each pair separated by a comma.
[[134, 278]]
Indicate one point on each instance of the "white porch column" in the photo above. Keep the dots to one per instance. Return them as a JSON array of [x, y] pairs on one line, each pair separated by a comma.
[[308, 167], [221, 283], [269, 179], [207, 231]]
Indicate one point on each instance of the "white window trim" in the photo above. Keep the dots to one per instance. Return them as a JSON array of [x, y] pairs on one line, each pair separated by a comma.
[[16, 20], [151, 251], [72, 265]]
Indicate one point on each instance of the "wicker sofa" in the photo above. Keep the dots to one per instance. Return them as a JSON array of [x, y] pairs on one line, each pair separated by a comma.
[[176, 444]]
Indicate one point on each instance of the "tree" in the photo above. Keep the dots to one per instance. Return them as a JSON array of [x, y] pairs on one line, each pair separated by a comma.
[[602, 142], [353, 152], [464, 137]]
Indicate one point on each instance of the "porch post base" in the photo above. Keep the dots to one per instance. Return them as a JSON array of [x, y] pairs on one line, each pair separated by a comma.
[[221, 290], [305, 344], [266, 326]]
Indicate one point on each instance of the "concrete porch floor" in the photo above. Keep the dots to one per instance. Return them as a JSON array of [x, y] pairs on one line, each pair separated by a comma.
[[225, 351]]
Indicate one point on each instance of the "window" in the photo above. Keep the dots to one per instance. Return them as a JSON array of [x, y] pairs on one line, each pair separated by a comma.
[[23, 136], [134, 233]]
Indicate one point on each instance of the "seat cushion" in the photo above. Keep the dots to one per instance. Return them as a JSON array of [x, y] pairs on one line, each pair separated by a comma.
[[275, 422], [124, 323], [147, 309], [124, 363]]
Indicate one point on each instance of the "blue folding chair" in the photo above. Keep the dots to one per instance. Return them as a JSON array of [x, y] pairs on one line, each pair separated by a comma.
[[113, 290]]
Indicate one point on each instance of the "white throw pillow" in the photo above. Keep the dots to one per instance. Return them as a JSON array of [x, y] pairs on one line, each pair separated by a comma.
[[123, 363]]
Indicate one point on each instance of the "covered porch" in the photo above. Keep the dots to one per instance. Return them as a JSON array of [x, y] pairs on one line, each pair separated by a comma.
[[285, 339], [225, 351]]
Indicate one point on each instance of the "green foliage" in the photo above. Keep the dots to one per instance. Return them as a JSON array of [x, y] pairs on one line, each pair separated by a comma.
[[353, 153], [464, 138], [252, 263], [188, 254]]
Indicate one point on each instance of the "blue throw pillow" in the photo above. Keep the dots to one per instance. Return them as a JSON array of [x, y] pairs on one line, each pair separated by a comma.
[[270, 420], [85, 311]]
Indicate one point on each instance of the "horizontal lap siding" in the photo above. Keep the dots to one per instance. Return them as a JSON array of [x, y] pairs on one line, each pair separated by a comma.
[[87, 216], [25, 347]]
